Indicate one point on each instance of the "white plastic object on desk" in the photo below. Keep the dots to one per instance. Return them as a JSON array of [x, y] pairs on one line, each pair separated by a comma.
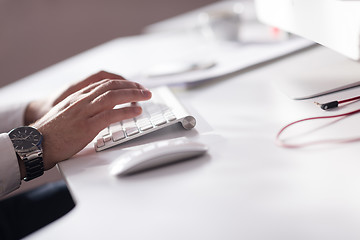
[[157, 154]]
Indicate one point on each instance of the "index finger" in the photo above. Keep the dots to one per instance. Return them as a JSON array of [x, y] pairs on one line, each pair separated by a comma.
[[110, 84], [110, 99], [96, 78]]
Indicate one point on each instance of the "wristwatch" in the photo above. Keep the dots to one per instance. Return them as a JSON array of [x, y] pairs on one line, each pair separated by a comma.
[[27, 144]]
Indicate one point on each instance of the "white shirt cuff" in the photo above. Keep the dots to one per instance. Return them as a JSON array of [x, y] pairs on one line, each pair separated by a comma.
[[9, 166]]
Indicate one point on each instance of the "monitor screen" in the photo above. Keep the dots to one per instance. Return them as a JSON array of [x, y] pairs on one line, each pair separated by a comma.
[[332, 23]]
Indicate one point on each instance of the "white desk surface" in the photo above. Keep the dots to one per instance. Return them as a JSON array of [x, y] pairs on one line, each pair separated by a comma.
[[246, 187]]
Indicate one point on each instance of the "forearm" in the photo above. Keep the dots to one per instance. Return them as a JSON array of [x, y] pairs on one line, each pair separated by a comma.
[[35, 110]]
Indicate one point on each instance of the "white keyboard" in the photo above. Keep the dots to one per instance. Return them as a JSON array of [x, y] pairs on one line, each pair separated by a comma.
[[162, 110]]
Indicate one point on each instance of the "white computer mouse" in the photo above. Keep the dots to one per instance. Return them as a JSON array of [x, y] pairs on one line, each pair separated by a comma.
[[157, 154]]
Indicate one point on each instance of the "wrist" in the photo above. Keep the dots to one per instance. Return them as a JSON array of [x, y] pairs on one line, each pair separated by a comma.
[[27, 144], [30, 113], [34, 111]]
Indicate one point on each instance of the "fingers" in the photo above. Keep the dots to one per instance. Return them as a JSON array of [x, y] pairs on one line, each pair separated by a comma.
[[105, 118], [104, 74], [109, 84], [98, 77], [95, 78], [111, 98], [110, 89], [106, 94]]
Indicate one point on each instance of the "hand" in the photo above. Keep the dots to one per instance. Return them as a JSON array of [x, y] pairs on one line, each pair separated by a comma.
[[75, 121], [38, 108]]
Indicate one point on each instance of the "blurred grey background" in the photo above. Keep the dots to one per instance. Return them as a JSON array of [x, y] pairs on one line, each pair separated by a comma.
[[35, 34]]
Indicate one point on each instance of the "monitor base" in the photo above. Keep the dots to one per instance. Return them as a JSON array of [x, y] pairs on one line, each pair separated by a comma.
[[319, 74]]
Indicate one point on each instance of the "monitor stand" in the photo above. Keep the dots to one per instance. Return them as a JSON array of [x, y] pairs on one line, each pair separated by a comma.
[[318, 73]]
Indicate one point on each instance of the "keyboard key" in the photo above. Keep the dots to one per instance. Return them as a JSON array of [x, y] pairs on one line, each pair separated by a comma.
[[118, 135], [100, 142], [131, 131], [144, 124], [169, 115], [158, 120], [107, 138], [128, 123], [115, 128], [146, 127], [130, 127], [153, 110]]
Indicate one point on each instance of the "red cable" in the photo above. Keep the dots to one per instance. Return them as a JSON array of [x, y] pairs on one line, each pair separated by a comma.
[[349, 99], [283, 144], [335, 104]]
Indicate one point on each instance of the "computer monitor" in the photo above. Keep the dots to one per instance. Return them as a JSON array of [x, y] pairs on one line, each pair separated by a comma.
[[332, 23]]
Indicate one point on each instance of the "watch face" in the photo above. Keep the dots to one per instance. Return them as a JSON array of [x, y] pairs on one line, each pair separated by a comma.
[[25, 138]]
